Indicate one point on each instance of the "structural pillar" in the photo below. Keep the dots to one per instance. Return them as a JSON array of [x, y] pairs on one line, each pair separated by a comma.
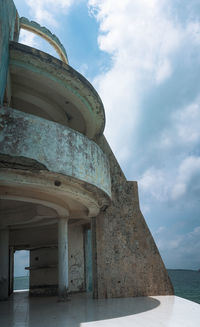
[[11, 270], [4, 263], [63, 265]]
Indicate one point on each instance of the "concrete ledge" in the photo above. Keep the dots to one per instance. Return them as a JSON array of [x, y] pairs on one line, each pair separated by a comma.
[[60, 149]]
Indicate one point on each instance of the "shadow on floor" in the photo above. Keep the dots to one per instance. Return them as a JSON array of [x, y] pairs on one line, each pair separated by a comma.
[[46, 311]]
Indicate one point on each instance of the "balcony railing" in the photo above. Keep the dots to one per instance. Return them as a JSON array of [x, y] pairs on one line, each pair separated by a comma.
[[59, 148]]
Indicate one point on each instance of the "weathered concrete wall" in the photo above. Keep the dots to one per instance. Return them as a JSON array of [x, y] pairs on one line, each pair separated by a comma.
[[88, 259], [126, 259], [59, 148], [8, 16], [76, 259]]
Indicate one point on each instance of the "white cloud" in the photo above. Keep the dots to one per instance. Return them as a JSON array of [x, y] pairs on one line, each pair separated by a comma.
[[170, 185], [164, 71], [189, 167], [155, 183], [193, 30], [28, 38], [141, 37], [44, 11], [37, 42], [184, 127], [179, 250]]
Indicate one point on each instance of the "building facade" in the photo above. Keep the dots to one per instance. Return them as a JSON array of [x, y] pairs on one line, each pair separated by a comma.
[[63, 195]]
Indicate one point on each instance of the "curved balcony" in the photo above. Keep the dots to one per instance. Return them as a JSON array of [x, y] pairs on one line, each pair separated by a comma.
[[70, 172], [49, 88]]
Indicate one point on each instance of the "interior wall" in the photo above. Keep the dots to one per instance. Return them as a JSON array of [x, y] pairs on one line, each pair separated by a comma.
[[43, 271], [42, 243]]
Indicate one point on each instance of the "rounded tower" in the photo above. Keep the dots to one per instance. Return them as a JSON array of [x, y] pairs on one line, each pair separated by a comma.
[[54, 178], [57, 177]]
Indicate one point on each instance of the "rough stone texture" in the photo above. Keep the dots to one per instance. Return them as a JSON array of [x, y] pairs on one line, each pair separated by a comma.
[[126, 259], [8, 15], [59, 148]]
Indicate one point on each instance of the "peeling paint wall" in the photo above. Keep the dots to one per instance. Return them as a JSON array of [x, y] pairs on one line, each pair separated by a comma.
[[8, 16]]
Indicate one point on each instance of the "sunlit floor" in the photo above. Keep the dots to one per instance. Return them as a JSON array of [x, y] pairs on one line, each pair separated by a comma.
[[82, 311]]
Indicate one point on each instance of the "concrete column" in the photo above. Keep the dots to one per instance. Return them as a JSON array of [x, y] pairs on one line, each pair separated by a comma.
[[63, 265], [11, 269], [4, 263]]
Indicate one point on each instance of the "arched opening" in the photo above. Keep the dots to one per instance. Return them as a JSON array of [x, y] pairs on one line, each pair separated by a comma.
[[45, 34]]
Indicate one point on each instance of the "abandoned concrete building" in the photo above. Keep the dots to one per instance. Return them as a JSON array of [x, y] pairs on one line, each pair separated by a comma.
[[63, 195]]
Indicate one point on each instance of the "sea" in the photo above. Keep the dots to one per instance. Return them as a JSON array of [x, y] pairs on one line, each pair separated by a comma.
[[186, 283], [21, 283]]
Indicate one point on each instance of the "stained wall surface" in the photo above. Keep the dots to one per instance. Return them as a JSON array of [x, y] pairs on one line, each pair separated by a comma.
[[43, 273], [126, 259], [76, 259], [8, 16], [57, 147]]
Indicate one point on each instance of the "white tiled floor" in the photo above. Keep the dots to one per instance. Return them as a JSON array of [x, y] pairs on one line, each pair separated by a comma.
[[83, 311]]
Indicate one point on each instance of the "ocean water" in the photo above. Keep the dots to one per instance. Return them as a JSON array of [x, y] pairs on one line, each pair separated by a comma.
[[21, 283], [186, 283]]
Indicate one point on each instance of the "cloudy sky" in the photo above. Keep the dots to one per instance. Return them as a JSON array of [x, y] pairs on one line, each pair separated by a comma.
[[143, 57]]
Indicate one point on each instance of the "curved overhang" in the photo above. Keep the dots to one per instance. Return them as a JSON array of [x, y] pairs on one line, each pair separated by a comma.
[[70, 199], [70, 173], [45, 33], [51, 89]]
